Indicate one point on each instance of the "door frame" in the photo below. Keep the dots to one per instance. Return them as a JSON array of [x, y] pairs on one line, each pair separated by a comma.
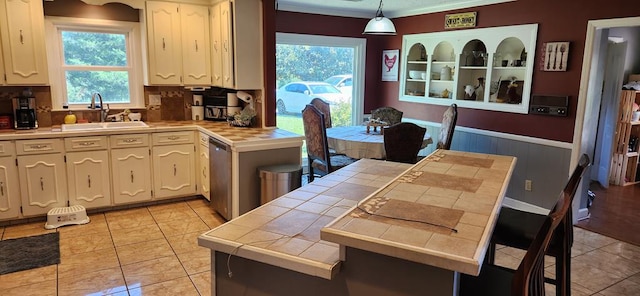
[[586, 97]]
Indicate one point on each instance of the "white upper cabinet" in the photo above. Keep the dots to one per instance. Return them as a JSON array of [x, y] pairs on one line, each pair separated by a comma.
[[489, 68], [23, 42], [196, 46], [236, 37], [178, 44]]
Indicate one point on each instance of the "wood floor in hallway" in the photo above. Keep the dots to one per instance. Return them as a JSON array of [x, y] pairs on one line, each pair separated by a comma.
[[614, 213]]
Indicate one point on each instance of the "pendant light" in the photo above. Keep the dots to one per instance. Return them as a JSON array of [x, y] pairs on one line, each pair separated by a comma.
[[380, 25]]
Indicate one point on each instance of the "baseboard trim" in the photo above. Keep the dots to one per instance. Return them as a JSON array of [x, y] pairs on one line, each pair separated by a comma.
[[523, 206]]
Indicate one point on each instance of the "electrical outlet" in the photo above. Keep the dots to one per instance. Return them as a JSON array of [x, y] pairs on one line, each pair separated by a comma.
[[527, 185], [155, 100]]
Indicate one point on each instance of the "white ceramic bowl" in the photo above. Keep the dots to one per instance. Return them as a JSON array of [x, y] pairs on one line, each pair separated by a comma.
[[417, 74], [135, 116]]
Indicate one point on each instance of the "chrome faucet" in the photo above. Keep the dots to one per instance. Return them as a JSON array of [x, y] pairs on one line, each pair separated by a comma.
[[103, 111]]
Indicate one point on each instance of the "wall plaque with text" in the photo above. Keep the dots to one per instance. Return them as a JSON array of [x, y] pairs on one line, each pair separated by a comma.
[[460, 20]]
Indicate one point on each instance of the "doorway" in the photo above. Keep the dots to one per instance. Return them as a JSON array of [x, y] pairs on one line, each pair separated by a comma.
[[588, 109]]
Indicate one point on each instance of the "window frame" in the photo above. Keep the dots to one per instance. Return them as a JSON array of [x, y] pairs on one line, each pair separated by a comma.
[[53, 28], [359, 46]]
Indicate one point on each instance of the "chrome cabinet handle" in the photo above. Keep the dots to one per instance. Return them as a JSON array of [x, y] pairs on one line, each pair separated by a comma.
[[89, 180], [41, 184], [131, 176], [175, 170]]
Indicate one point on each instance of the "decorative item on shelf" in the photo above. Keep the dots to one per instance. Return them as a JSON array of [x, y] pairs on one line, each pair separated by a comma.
[[414, 74], [635, 116], [469, 92], [380, 25], [512, 92], [445, 93], [523, 57], [479, 89], [493, 88], [479, 58], [445, 73]]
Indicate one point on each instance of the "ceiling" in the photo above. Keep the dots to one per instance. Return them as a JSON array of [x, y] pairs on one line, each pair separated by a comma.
[[368, 8]]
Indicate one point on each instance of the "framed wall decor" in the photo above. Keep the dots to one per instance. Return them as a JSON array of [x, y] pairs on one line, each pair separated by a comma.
[[554, 56], [390, 61]]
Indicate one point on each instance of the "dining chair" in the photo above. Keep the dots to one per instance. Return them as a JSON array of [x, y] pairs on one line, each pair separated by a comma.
[[323, 107], [321, 162], [403, 141], [528, 279], [517, 229], [389, 115], [449, 119]]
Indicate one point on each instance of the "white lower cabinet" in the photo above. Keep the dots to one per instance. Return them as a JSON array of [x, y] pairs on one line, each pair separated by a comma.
[[203, 157], [130, 168], [9, 191], [174, 170], [43, 183], [88, 171], [88, 174]]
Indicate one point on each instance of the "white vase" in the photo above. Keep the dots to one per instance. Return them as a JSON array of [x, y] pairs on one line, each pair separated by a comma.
[[635, 116]]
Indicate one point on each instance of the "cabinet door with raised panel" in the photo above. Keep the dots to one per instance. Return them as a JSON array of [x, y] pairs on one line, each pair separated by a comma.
[[164, 43], [131, 175], [216, 46], [88, 174], [9, 191], [196, 48], [204, 172], [226, 35], [23, 45], [43, 182], [174, 170]]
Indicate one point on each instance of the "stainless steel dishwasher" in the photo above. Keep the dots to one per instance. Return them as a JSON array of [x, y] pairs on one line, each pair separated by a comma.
[[220, 174]]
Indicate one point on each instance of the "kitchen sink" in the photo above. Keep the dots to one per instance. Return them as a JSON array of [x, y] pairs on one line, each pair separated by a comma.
[[103, 126]]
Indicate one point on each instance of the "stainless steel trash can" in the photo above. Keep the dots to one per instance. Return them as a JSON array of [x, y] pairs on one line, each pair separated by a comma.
[[277, 180]]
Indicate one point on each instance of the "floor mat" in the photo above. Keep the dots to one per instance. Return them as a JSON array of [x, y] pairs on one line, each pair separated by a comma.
[[29, 252]]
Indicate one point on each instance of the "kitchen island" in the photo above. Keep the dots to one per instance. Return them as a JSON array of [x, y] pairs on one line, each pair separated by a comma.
[[418, 228]]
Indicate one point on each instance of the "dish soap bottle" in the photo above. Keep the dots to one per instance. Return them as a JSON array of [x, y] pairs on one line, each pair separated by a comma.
[[70, 118]]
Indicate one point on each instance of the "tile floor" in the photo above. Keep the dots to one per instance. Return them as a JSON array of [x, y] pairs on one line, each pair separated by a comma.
[[153, 251]]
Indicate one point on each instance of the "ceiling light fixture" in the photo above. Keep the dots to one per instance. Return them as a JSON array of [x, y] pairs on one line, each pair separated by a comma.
[[380, 25]]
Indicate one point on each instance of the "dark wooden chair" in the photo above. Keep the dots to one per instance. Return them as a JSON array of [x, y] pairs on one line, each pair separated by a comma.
[[528, 279], [323, 107], [403, 141], [516, 228], [321, 162], [387, 114], [449, 119]]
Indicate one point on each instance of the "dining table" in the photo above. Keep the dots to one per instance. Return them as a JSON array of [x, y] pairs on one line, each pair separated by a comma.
[[356, 142]]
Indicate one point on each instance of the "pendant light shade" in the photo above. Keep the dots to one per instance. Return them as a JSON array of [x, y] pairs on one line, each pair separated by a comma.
[[380, 25]]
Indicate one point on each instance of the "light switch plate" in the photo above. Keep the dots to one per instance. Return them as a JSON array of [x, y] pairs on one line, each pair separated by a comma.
[[155, 100]]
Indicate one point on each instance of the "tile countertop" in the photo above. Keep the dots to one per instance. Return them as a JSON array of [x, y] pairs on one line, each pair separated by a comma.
[[286, 231], [441, 212], [235, 136]]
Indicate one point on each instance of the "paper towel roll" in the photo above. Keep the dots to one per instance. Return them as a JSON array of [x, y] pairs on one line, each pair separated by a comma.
[[232, 100], [233, 110], [197, 100], [197, 112]]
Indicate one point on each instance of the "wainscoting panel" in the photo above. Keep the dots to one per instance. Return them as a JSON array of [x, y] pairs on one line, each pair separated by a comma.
[[544, 162]]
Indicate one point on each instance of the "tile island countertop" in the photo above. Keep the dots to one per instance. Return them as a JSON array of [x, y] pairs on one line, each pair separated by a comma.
[[307, 230], [440, 213]]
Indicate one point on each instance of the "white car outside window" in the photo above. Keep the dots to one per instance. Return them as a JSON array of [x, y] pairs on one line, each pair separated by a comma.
[[294, 96]]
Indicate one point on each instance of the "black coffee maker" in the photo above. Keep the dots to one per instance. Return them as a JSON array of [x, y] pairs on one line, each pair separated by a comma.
[[24, 110]]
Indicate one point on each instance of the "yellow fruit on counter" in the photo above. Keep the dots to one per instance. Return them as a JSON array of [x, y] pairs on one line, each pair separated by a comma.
[[70, 118]]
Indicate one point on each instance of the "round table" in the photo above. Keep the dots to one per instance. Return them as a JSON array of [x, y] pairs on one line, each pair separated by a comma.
[[355, 142]]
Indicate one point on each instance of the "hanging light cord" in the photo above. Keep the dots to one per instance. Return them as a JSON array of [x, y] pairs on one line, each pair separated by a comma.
[[379, 12]]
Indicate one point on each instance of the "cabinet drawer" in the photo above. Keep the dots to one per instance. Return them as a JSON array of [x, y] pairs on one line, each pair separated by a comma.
[[127, 141], [173, 138], [85, 143], [39, 146], [7, 148]]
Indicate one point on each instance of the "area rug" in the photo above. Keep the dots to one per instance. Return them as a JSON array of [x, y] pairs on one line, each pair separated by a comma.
[[29, 252]]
